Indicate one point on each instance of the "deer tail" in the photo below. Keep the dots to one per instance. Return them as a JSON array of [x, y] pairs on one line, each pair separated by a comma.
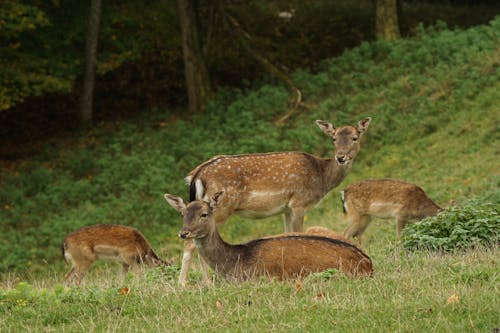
[[342, 198]]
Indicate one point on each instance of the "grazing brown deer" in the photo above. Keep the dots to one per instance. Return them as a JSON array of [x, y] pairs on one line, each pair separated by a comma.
[[262, 185], [282, 256], [106, 241], [384, 198]]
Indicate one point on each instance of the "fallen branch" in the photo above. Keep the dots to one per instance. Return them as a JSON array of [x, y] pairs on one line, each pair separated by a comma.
[[294, 102]]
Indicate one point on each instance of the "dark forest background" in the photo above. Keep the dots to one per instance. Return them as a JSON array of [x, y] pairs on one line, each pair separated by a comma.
[[140, 65]]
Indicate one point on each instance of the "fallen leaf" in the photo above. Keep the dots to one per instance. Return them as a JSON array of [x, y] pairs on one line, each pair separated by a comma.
[[319, 297], [453, 299], [298, 287], [124, 291], [218, 304]]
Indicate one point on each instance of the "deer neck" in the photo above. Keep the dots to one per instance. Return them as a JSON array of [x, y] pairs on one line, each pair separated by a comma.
[[218, 254], [334, 173]]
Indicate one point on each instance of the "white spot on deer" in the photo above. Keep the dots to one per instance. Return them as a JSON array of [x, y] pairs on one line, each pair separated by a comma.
[[254, 194], [200, 190]]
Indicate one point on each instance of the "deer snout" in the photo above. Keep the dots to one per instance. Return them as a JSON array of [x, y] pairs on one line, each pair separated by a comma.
[[184, 234], [341, 159]]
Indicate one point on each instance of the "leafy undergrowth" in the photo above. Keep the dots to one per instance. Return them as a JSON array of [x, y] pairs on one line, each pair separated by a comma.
[[458, 228]]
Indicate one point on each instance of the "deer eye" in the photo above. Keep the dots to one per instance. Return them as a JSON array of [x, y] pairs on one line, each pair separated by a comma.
[[355, 138], [204, 215]]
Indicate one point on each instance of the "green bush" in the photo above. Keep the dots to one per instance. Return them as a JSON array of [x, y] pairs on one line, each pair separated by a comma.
[[474, 224]]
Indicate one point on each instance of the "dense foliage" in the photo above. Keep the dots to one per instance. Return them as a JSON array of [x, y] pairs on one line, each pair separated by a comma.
[[139, 51], [475, 224]]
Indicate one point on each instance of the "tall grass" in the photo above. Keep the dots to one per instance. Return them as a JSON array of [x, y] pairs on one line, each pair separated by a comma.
[[409, 293]]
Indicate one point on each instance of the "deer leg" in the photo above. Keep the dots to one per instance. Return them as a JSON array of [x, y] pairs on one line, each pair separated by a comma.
[[186, 261], [78, 271], [357, 226], [205, 271], [294, 220], [400, 224], [125, 268], [70, 276]]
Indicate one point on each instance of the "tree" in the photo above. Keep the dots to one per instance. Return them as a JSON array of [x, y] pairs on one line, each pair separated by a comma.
[[90, 62], [197, 80], [23, 72], [386, 19]]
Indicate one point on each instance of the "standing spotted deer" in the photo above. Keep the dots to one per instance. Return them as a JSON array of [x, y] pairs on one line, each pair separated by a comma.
[[262, 185], [282, 256], [384, 198], [106, 241]]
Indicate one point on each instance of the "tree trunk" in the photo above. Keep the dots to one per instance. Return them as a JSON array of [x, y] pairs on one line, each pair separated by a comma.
[[386, 19], [90, 62], [197, 81]]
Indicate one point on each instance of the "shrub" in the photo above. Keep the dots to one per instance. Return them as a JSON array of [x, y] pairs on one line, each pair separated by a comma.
[[472, 225]]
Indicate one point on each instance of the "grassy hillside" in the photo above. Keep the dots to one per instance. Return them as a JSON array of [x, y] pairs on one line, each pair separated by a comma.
[[435, 104]]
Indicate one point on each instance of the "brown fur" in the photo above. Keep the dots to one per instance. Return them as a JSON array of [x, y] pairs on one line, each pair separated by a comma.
[[281, 256], [106, 241], [261, 185], [322, 231], [384, 198], [317, 231]]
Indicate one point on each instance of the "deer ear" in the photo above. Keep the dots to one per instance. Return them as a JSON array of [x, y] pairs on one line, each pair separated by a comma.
[[175, 202], [326, 127], [216, 199], [363, 124]]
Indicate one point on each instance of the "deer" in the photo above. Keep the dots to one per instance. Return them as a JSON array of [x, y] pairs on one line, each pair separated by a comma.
[[322, 231], [384, 198], [260, 185], [283, 256], [318, 231], [112, 242]]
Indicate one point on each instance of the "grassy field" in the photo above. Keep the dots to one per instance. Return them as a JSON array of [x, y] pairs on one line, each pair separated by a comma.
[[435, 104], [423, 292]]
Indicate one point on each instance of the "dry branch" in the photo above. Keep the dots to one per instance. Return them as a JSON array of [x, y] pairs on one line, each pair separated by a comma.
[[244, 38]]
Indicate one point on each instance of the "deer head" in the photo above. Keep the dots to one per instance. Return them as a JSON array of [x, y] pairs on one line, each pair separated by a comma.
[[345, 139], [197, 216]]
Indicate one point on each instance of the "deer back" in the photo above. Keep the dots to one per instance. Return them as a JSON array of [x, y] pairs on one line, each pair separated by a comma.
[[108, 241], [295, 256], [255, 181], [325, 232], [388, 198]]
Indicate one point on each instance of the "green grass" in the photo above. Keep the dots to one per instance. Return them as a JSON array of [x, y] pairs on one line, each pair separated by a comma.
[[408, 293], [434, 100]]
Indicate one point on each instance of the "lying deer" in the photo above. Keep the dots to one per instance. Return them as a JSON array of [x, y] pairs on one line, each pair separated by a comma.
[[384, 198], [325, 232], [282, 256], [317, 231], [106, 241], [262, 185]]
